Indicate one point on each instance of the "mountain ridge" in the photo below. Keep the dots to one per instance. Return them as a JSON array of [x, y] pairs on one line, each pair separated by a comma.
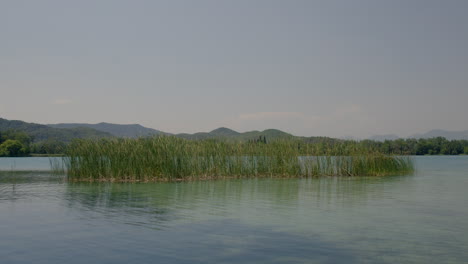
[[67, 131], [118, 130], [40, 132], [137, 130]]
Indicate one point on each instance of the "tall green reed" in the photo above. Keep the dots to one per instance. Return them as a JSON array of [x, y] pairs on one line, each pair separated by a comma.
[[170, 158]]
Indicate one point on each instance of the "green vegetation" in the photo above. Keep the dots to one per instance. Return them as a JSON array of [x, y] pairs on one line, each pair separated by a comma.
[[118, 130], [14, 144], [39, 139], [39, 133], [172, 158], [227, 134], [36, 139], [430, 146], [48, 147]]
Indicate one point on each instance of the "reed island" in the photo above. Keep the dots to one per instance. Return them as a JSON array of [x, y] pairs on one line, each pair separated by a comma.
[[168, 158]]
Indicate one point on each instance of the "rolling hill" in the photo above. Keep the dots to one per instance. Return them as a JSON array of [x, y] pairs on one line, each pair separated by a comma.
[[65, 132], [131, 131], [223, 133], [40, 132]]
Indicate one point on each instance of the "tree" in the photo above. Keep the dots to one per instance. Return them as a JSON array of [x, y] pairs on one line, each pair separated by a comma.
[[20, 136], [12, 148], [48, 147]]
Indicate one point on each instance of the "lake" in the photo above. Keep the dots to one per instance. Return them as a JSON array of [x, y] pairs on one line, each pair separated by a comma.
[[421, 218]]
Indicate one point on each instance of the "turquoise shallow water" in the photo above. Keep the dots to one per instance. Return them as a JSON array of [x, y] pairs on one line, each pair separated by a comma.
[[422, 218], [28, 164]]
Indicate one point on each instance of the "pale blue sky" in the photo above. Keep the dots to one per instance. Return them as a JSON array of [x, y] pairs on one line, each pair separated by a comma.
[[311, 68]]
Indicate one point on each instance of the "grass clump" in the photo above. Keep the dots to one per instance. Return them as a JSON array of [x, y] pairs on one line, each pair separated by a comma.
[[172, 159]]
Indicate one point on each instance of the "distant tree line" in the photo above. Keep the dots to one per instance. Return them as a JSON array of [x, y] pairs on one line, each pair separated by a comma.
[[429, 146], [15, 143]]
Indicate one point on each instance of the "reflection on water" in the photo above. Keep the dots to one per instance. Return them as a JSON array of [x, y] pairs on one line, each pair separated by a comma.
[[17, 185], [124, 203], [154, 203], [412, 219]]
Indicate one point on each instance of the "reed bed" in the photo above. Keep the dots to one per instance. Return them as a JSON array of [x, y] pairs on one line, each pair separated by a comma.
[[175, 159]]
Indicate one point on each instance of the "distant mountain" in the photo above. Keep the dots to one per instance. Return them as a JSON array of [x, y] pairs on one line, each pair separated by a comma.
[[133, 131], [384, 137], [450, 135], [67, 131], [219, 133], [42, 132], [223, 133], [130, 131]]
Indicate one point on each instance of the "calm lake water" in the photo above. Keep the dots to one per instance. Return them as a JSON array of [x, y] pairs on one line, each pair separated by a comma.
[[422, 218]]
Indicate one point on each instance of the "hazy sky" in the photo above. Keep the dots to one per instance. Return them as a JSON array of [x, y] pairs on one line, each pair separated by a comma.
[[332, 68]]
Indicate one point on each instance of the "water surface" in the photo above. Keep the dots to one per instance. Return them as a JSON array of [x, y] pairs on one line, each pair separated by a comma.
[[421, 218]]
